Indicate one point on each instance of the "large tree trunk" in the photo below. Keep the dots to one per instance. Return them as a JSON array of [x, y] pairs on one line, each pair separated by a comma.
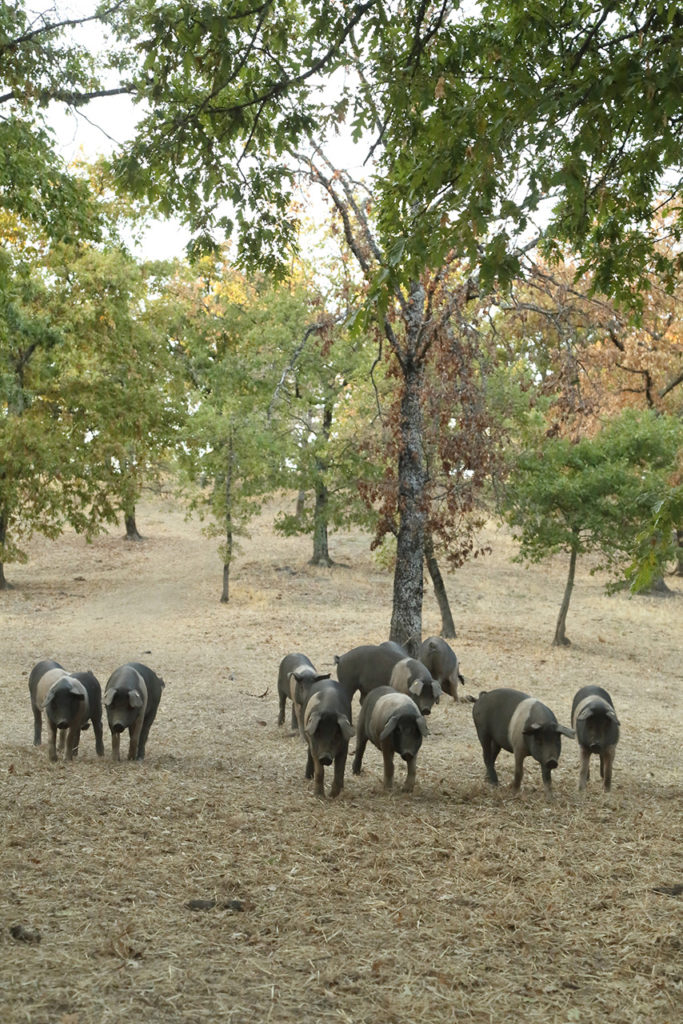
[[561, 638], [227, 558], [447, 624], [4, 585], [406, 618], [131, 525], [321, 554]]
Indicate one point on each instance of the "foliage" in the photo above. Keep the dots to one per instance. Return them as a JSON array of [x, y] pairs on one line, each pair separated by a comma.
[[594, 495], [85, 401], [42, 62], [479, 120], [658, 543]]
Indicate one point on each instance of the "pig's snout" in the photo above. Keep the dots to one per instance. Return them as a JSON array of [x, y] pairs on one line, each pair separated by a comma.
[[426, 711], [63, 724], [118, 727], [407, 757], [325, 760], [551, 764]]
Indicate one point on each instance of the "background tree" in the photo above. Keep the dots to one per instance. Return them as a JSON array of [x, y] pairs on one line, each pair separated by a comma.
[[594, 495], [229, 350]]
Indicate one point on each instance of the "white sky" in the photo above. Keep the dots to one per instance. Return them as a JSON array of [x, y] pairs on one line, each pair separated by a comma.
[[105, 124]]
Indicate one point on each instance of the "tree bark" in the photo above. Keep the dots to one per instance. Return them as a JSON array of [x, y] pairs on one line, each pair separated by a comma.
[[561, 638], [300, 502], [406, 618], [447, 624], [131, 526], [679, 561], [4, 585], [225, 596], [321, 553]]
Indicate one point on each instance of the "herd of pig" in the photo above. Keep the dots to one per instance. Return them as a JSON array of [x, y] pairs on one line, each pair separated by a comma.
[[396, 693], [72, 701]]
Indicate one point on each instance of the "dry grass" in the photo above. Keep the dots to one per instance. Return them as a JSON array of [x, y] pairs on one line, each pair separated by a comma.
[[454, 904]]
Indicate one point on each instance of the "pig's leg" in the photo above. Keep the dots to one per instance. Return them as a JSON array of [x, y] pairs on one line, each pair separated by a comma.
[[52, 741], [606, 762], [547, 782], [144, 733], [62, 739], [37, 726], [388, 755], [318, 777], [99, 742], [491, 751], [309, 765], [519, 771], [411, 765], [115, 746], [135, 731], [339, 766], [73, 739], [361, 743], [584, 769]]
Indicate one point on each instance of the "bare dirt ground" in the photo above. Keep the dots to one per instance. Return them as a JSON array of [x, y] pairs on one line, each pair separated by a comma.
[[455, 903]]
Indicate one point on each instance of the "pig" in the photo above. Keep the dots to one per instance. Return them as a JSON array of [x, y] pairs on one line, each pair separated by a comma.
[[295, 677], [131, 697], [394, 724], [442, 662], [597, 732], [511, 720], [71, 701], [328, 729], [364, 668]]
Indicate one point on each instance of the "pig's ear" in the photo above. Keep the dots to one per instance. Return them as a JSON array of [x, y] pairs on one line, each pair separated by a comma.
[[437, 691], [109, 697], [565, 731], [135, 699], [77, 690], [319, 678], [417, 687], [584, 713], [347, 729], [613, 715], [49, 697], [389, 727], [422, 726], [312, 723]]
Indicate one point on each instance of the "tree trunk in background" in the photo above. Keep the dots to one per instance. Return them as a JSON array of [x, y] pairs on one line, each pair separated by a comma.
[[300, 502], [561, 639], [131, 526], [225, 596], [321, 553], [679, 541], [406, 618], [447, 624], [4, 585]]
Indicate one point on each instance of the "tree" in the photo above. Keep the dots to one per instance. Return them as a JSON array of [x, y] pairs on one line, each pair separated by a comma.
[[594, 495], [478, 120], [230, 453], [43, 62], [85, 405]]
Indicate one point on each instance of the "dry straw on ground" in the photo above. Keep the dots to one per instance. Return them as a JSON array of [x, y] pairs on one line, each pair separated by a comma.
[[209, 884]]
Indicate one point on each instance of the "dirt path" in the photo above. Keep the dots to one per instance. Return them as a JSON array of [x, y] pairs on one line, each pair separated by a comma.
[[457, 903]]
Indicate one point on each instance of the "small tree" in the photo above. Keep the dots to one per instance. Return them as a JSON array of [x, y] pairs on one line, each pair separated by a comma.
[[592, 496]]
